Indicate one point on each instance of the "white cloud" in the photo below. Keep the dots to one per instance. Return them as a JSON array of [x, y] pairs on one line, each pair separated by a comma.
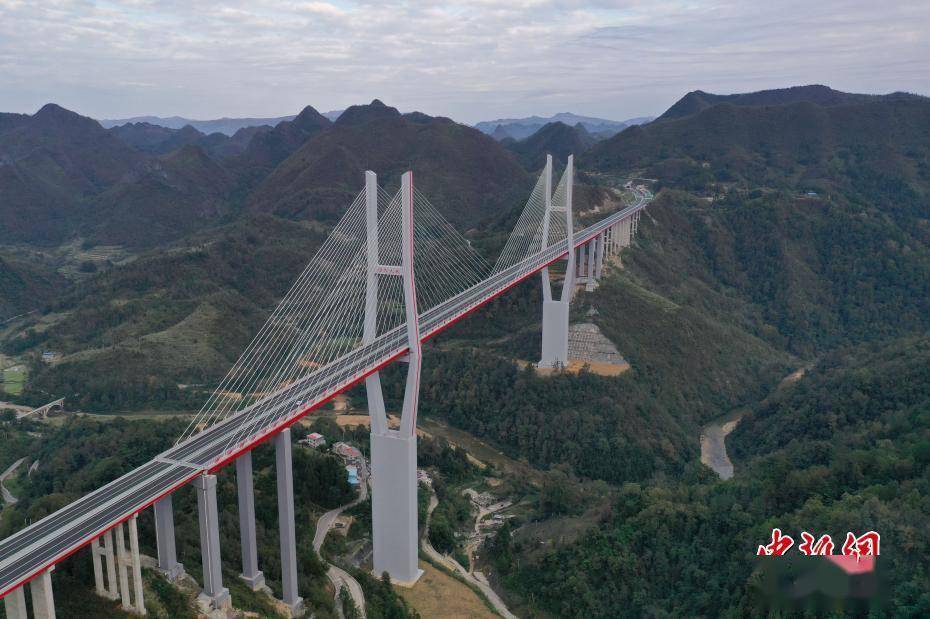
[[468, 60]]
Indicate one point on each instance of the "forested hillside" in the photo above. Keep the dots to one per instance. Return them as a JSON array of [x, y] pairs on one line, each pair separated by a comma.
[[801, 228], [129, 335], [687, 546]]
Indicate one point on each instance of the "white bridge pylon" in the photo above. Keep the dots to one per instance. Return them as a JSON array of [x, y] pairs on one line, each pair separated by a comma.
[[394, 452], [393, 273]]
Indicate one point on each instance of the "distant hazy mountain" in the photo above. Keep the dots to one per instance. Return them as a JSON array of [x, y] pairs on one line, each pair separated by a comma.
[[333, 115], [229, 126], [522, 128], [556, 139], [698, 100], [157, 140]]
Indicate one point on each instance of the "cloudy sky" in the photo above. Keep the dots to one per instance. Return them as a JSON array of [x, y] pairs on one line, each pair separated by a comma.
[[468, 60]]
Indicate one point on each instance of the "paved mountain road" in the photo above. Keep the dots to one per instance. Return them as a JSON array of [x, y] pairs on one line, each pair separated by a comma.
[[338, 576]]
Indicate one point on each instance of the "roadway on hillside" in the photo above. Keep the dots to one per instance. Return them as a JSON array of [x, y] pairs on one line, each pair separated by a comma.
[[455, 566], [338, 576], [42, 544], [8, 498]]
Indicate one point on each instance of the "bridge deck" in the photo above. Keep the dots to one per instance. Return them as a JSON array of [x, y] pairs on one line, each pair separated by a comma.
[[28, 552]]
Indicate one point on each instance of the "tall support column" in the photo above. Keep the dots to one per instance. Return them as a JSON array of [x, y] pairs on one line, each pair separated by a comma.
[[568, 290], [601, 247], [95, 552], [250, 572], [164, 539], [288, 537], [408, 419], [43, 603], [546, 284], [582, 261], [121, 562], [136, 565], [592, 255], [376, 411], [213, 594], [556, 312], [15, 604], [394, 452], [112, 588]]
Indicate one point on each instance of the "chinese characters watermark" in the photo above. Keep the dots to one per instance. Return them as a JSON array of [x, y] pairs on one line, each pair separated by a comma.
[[865, 545]]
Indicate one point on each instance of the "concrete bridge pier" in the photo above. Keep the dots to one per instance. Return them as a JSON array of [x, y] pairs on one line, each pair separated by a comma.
[[288, 536], [554, 334], [15, 604], [214, 594], [98, 553], [582, 261], [43, 603], [394, 505], [102, 555], [250, 572], [589, 268], [126, 561], [164, 539]]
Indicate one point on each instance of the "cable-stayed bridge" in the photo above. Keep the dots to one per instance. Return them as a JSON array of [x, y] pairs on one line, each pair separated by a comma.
[[392, 274]]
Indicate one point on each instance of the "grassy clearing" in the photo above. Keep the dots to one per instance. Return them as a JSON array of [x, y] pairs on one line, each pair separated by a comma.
[[14, 379], [437, 594]]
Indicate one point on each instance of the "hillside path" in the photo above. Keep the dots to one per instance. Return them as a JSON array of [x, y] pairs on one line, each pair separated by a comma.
[[8, 498], [454, 565], [339, 577]]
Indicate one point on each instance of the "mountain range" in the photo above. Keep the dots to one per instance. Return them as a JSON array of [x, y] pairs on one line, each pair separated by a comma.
[[816, 94], [522, 128], [64, 176], [226, 126]]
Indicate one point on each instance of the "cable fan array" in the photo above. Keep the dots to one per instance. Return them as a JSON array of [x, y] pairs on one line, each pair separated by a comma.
[[532, 227], [319, 324]]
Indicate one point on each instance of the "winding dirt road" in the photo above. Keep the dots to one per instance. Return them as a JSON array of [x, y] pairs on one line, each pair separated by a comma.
[[454, 565], [338, 576], [8, 498]]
